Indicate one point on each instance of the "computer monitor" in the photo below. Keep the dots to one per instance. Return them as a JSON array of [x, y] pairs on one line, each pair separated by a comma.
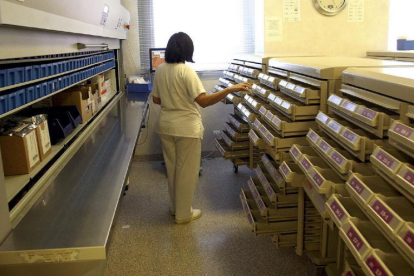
[[157, 57]]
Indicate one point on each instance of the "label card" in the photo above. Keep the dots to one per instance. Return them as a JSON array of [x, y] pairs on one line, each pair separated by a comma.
[[403, 130], [382, 212], [285, 169], [356, 185], [409, 239], [385, 159], [355, 239], [375, 267], [325, 147], [313, 136], [335, 99], [295, 152], [337, 210], [368, 113]]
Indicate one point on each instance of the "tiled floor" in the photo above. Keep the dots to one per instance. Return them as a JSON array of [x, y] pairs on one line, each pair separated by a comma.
[[146, 241]]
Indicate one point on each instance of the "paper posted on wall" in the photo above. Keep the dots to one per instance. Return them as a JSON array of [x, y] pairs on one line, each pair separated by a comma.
[[273, 29], [291, 10], [356, 11]]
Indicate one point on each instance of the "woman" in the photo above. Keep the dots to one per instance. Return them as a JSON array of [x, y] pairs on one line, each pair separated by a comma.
[[179, 91]]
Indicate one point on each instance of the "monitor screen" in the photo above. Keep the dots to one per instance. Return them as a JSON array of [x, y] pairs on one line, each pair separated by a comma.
[[157, 57]]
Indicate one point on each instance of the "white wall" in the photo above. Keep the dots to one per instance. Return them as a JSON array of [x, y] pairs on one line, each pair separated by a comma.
[[130, 47], [319, 34]]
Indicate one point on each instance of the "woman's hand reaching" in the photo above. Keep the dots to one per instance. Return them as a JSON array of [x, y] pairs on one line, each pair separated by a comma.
[[244, 86]]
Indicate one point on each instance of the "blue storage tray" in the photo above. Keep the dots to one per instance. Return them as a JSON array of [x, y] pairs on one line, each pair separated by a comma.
[[50, 87], [39, 93], [43, 70], [17, 99], [30, 94], [50, 69], [28, 73], [37, 73], [3, 78], [45, 89], [4, 104], [15, 76], [139, 88], [55, 68]]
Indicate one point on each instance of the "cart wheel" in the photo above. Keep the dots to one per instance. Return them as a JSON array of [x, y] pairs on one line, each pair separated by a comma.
[[235, 169]]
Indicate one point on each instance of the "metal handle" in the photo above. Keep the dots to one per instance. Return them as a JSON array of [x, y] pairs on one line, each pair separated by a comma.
[[85, 46]]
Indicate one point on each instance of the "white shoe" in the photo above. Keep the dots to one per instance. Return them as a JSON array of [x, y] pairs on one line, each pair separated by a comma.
[[195, 215]]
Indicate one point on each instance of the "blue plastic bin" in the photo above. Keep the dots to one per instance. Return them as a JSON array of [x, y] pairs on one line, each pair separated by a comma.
[[37, 73], [4, 104], [16, 99], [43, 70], [30, 94], [139, 88], [38, 92], [3, 78], [50, 69], [55, 68], [45, 89], [28, 73], [50, 87], [15, 76], [56, 85]]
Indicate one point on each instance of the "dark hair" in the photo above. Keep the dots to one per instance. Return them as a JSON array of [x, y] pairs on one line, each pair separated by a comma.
[[180, 48]]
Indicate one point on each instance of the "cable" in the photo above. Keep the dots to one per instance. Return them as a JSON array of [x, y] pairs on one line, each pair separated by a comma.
[[146, 136]]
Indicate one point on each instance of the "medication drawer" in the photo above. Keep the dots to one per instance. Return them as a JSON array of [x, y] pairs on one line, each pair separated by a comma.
[[402, 137], [238, 123], [227, 153], [372, 119], [249, 72], [291, 108], [300, 92], [269, 81]]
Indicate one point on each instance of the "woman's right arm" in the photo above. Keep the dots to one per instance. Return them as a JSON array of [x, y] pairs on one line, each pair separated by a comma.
[[205, 100]]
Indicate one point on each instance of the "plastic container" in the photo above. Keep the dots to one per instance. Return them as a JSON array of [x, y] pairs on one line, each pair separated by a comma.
[[17, 99], [38, 92], [37, 73], [4, 104], [45, 89], [3, 78], [28, 73], [50, 69], [139, 88], [404, 44], [43, 70], [50, 87], [56, 68], [15, 76], [30, 94]]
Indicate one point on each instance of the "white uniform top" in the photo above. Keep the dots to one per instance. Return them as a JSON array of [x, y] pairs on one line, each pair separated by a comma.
[[177, 85]]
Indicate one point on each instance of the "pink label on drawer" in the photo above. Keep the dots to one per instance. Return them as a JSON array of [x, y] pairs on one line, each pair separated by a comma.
[[269, 191], [269, 115], [262, 129], [356, 185], [409, 239], [324, 146], [368, 113], [285, 169], [355, 239], [262, 110], [276, 121], [334, 126], [337, 158], [258, 171], [261, 204], [313, 136], [382, 211], [255, 193], [375, 267], [265, 160], [305, 163], [349, 135], [403, 130], [339, 213], [385, 158], [295, 152], [269, 137], [409, 177], [318, 179], [277, 176]]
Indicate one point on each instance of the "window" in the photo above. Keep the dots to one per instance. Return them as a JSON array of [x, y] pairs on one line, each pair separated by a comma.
[[401, 21], [219, 29]]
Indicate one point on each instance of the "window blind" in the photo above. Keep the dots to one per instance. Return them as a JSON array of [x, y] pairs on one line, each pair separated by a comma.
[[219, 29]]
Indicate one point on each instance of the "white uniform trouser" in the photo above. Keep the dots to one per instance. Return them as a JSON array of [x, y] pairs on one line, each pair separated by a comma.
[[182, 158]]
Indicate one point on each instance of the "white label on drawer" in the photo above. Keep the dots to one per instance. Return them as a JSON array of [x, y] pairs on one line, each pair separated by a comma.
[[240, 106], [269, 137], [283, 83], [325, 147], [255, 86], [253, 136], [261, 75], [278, 101], [269, 115], [286, 105], [244, 79], [290, 86], [313, 136], [250, 71], [271, 97], [266, 77], [263, 130], [277, 122], [230, 97], [263, 91], [349, 105], [335, 99], [322, 117], [335, 126], [404, 131], [301, 91], [247, 113], [254, 103], [250, 100], [350, 136], [271, 79]]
